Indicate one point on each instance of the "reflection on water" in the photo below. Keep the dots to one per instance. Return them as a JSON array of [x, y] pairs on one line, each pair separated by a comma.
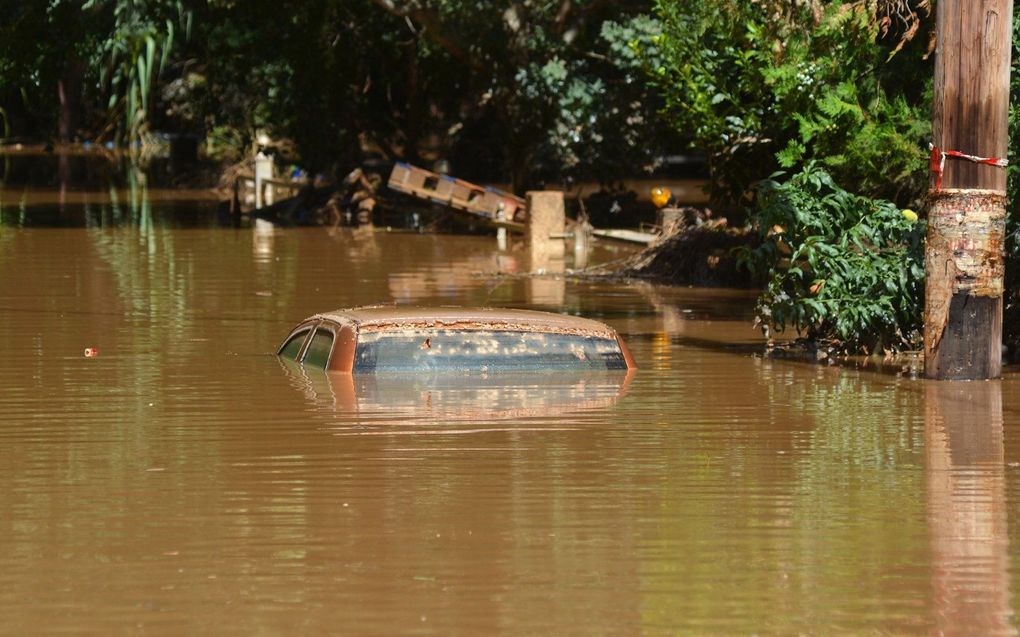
[[402, 403], [967, 509], [78, 187], [184, 479]]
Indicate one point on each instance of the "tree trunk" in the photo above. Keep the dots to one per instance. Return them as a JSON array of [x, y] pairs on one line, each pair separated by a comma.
[[966, 218], [412, 129], [69, 93]]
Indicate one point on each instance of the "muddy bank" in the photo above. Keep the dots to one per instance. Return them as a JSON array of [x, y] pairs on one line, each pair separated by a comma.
[[701, 255]]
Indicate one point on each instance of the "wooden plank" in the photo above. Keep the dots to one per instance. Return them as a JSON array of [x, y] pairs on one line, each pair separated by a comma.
[[631, 236]]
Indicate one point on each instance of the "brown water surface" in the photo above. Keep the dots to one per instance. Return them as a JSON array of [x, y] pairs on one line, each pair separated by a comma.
[[186, 481]]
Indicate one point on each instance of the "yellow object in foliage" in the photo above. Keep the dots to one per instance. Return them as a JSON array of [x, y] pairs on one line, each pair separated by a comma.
[[661, 196], [909, 214]]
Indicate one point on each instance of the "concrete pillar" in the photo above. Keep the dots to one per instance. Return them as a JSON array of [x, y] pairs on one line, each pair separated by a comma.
[[546, 216]]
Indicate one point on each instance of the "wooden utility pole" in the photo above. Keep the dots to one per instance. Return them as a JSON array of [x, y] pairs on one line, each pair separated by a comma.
[[967, 201]]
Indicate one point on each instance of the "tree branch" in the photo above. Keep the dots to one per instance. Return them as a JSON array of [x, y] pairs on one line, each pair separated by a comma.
[[432, 26]]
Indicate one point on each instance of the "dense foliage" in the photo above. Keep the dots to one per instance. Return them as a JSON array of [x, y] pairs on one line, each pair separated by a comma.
[[836, 93], [1011, 318], [764, 84], [133, 56], [527, 90], [839, 266]]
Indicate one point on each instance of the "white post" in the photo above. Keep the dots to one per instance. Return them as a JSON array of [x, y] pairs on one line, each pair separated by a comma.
[[263, 170], [501, 231]]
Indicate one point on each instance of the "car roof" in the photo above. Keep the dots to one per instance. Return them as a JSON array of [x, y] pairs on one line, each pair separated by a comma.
[[379, 317]]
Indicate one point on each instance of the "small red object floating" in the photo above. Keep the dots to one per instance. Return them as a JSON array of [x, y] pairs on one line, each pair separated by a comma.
[[91, 352]]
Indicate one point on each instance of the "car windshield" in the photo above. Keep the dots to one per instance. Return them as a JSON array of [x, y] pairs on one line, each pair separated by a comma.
[[415, 350]]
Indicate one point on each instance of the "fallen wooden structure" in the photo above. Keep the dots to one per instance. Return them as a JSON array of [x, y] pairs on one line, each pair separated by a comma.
[[492, 206]]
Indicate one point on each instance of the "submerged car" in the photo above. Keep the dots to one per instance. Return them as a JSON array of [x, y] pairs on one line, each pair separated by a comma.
[[400, 339]]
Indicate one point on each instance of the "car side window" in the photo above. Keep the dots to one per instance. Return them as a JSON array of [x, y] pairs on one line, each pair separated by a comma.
[[317, 354], [293, 346]]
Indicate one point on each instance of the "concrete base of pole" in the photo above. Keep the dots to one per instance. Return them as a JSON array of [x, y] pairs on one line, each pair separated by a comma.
[[670, 220], [964, 270]]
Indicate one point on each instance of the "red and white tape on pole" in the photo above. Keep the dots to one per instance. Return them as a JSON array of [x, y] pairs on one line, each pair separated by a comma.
[[938, 161]]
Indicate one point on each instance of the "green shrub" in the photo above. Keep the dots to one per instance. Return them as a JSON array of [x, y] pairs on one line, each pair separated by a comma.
[[838, 266], [226, 143], [1011, 310], [761, 85]]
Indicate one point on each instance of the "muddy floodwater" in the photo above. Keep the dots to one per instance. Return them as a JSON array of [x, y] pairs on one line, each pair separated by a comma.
[[184, 481]]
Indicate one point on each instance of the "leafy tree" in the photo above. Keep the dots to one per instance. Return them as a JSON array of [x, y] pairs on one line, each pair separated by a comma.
[[103, 67], [131, 57], [296, 69], [837, 92], [763, 84], [41, 76], [527, 90]]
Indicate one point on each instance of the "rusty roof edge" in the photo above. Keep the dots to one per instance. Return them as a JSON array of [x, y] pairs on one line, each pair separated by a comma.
[[517, 319]]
